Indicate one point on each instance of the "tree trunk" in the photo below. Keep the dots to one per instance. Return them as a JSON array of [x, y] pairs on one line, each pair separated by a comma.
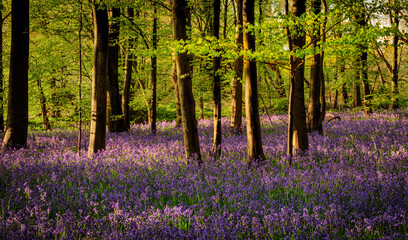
[[176, 90], [44, 113], [181, 15], [254, 139], [322, 76], [395, 71], [297, 134], [129, 62], [114, 105], [153, 102], [236, 112], [225, 19], [1, 74], [216, 88], [343, 90], [356, 86], [97, 138], [314, 111], [79, 144], [360, 18], [366, 86], [17, 117], [278, 84]]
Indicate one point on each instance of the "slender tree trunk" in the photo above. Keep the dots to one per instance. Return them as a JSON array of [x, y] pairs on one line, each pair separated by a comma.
[[314, 111], [224, 34], [236, 113], [360, 18], [356, 86], [129, 63], [344, 95], [1, 74], [17, 117], [216, 88], [181, 15], [254, 138], [395, 71], [114, 104], [278, 84], [322, 76], [97, 138], [153, 103], [366, 85], [297, 135], [43, 104], [176, 90], [80, 79]]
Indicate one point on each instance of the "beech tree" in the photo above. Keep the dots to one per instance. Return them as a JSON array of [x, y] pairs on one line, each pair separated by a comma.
[[181, 15], [297, 134], [97, 138], [216, 82], [129, 63], [153, 79], [254, 139], [114, 106], [17, 117], [236, 103], [314, 110], [1, 72]]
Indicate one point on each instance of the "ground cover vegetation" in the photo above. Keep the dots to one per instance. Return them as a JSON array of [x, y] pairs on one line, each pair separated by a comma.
[[352, 184], [105, 119]]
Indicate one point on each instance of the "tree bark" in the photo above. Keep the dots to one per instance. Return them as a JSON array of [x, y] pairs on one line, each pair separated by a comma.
[[356, 85], [216, 88], [44, 112], [97, 138], [17, 117], [254, 138], [114, 105], [181, 15], [153, 102], [236, 112], [360, 18], [322, 76], [129, 63], [394, 18], [297, 134], [176, 90], [314, 111], [1, 75]]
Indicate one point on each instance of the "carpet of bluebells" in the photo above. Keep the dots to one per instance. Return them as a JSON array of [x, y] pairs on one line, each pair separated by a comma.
[[351, 184]]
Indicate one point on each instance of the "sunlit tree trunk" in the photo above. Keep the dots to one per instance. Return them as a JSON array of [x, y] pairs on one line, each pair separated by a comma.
[[314, 111], [297, 134], [97, 138], [114, 104], [181, 15], [43, 104], [1, 74], [216, 88], [254, 139], [17, 117], [176, 90], [129, 63], [236, 113]]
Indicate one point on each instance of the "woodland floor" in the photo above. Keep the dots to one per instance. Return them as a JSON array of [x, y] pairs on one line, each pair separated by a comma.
[[351, 184]]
